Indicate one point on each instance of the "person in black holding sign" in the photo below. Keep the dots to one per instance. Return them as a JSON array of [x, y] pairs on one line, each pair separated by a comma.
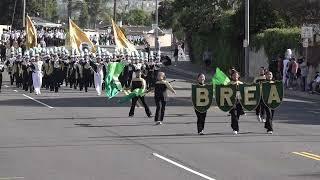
[[269, 112], [138, 83], [260, 108], [201, 116], [237, 110], [160, 96], [1, 71]]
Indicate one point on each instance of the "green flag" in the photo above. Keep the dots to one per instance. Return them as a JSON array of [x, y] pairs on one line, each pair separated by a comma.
[[113, 86], [134, 93], [220, 78]]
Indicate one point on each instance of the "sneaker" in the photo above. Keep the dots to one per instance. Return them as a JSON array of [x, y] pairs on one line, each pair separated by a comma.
[[130, 116], [201, 133], [158, 123], [270, 132], [235, 132], [263, 120], [259, 118]]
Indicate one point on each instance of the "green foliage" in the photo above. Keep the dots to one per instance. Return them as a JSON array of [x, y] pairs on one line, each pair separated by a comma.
[[223, 41], [94, 8], [84, 16], [275, 41], [137, 17], [166, 14]]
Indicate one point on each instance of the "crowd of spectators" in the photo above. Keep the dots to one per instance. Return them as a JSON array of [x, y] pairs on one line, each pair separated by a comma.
[[296, 73], [46, 37]]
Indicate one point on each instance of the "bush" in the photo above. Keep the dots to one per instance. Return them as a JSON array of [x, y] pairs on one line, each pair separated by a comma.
[[275, 41], [224, 41]]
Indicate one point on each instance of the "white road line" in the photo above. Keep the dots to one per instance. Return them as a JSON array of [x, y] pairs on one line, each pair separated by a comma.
[[15, 90], [38, 101], [10, 178], [183, 167]]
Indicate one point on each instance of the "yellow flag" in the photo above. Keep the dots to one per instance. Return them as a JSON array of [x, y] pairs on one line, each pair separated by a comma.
[[77, 37], [121, 41], [31, 33]]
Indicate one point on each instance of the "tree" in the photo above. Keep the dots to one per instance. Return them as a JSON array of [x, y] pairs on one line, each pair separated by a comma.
[[166, 14], [137, 17], [84, 16], [94, 8]]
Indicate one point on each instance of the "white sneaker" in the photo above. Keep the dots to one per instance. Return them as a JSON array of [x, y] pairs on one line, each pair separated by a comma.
[[259, 118], [158, 123], [235, 132], [270, 132], [201, 133], [263, 120]]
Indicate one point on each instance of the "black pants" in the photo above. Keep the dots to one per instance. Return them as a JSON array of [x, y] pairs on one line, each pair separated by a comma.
[[0, 80], [201, 118], [133, 105], [235, 114], [269, 113], [11, 79], [160, 109], [260, 109]]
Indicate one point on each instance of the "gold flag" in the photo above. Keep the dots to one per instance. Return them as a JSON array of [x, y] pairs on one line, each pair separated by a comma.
[[121, 41], [31, 33], [77, 37]]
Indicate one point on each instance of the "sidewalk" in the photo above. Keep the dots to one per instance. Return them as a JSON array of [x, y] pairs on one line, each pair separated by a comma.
[[187, 68]]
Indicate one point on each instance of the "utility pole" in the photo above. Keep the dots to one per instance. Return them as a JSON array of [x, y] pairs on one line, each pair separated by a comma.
[[24, 14], [115, 11], [246, 40], [157, 47]]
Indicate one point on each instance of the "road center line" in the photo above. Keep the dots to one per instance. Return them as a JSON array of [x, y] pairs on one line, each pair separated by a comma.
[[37, 102], [10, 178], [306, 155], [183, 167]]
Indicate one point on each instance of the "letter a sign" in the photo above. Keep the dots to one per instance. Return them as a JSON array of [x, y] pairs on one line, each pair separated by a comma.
[[272, 94], [202, 97]]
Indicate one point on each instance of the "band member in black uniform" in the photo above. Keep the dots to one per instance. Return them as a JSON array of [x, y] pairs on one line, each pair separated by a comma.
[[130, 74], [269, 112], [25, 73], [260, 108], [201, 116], [160, 96], [9, 65], [1, 71], [236, 111], [87, 73], [17, 69], [72, 73], [56, 74], [80, 77], [31, 69], [136, 83]]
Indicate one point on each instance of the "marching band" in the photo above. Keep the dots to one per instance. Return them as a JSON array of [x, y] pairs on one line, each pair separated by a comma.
[[50, 68]]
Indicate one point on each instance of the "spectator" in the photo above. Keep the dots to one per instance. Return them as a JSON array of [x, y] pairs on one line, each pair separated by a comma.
[[314, 85], [304, 74]]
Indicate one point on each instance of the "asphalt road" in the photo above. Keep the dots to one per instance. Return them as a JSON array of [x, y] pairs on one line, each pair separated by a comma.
[[73, 135]]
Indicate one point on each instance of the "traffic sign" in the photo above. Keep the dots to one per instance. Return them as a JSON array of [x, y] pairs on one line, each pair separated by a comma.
[[305, 43], [306, 32]]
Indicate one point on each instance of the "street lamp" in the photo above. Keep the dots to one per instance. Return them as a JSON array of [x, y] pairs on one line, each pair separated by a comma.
[[156, 37]]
